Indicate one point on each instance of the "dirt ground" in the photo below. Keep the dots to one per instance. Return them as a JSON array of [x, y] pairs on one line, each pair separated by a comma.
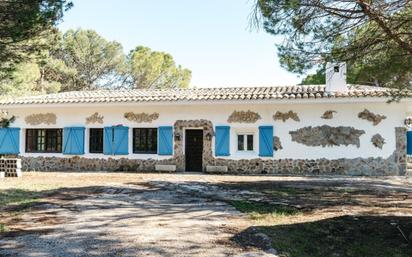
[[123, 214]]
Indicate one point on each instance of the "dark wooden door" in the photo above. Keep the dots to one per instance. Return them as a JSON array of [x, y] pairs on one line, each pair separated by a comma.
[[194, 149]]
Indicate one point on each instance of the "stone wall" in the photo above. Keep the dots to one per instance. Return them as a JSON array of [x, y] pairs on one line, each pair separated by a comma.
[[208, 132], [327, 136], [393, 165], [89, 164]]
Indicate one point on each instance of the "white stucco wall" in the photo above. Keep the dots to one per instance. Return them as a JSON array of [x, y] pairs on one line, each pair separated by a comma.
[[309, 114]]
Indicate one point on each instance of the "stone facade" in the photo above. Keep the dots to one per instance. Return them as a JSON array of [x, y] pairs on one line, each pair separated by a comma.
[[95, 118], [90, 164], [244, 117], [372, 117], [393, 165], [41, 118], [284, 116], [328, 115], [378, 141], [277, 145], [141, 117], [327, 136], [208, 132]]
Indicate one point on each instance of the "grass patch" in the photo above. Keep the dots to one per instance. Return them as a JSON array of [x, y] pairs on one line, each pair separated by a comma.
[[17, 196], [261, 211], [2, 228], [342, 236]]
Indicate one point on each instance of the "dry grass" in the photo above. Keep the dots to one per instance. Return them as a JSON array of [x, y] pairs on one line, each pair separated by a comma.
[[332, 218], [319, 216]]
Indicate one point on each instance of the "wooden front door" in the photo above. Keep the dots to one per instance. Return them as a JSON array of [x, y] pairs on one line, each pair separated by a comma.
[[194, 149]]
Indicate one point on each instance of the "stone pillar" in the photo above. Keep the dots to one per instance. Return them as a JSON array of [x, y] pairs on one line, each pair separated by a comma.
[[400, 156]]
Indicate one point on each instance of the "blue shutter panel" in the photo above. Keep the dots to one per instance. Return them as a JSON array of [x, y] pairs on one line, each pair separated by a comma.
[[266, 141], [108, 141], [73, 140], [9, 140], [409, 143], [121, 140], [222, 141], [165, 140]]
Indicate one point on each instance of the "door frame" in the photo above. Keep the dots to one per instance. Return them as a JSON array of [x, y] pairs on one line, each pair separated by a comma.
[[184, 144]]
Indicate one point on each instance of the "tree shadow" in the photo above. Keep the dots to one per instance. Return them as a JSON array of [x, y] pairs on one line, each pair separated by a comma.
[[360, 236], [108, 221], [319, 194]]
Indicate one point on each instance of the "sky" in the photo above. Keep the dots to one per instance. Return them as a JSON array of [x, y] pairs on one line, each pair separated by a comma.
[[211, 38]]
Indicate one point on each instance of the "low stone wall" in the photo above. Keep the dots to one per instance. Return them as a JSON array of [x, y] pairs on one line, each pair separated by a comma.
[[90, 164], [393, 165], [358, 166]]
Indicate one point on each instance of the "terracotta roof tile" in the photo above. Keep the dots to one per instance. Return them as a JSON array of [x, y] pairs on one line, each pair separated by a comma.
[[199, 94]]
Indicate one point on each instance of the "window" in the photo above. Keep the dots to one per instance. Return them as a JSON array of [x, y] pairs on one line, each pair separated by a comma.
[[44, 140], [245, 142], [145, 140], [96, 140]]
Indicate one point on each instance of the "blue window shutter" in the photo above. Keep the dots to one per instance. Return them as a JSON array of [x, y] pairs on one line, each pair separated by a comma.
[[9, 140], [266, 141], [409, 143], [222, 141], [165, 140], [73, 140], [121, 140], [108, 141]]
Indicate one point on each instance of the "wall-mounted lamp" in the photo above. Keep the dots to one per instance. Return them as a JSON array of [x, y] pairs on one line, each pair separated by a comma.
[[178, 137], [408, 122], [208, 136]]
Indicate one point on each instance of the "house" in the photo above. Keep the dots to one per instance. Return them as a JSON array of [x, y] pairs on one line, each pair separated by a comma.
[[320, 129]]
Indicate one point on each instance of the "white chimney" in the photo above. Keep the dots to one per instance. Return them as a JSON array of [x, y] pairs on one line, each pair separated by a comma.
[[336, 77]]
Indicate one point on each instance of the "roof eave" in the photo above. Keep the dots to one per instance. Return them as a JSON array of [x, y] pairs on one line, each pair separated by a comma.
[[331, 100]]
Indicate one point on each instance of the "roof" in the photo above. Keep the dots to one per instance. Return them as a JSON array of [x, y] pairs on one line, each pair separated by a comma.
[[199, 94]]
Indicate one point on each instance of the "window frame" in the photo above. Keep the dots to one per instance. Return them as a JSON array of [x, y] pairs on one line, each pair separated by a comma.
[[47, 140], [154, 140], [90, 141], [245, 142]]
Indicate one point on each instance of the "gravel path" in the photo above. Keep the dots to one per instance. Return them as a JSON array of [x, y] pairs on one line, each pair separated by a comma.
[[128, 220]]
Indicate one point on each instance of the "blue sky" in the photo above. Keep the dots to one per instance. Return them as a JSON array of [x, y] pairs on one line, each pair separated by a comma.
[[212, 38]]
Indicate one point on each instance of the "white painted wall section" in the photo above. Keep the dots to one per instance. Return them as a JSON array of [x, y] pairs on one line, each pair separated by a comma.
[[309, 114]]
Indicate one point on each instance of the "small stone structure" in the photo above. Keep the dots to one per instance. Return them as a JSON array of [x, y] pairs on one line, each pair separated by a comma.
[[372, 117], [378, 141], [165, 168], [244, 117], [284, 116], [141, 117], [328, 115], [95, 118], [10, 167], [327, 136], [216, 169], [277, 145], [41, 118]]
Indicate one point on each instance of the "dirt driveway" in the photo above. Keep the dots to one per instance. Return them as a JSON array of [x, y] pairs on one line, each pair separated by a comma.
[[123, 214], [128, 217]]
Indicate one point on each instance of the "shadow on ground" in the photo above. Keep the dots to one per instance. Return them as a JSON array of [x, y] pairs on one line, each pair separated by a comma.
[[364, 236], [317, 194], [116, 221], [159, 218], [362, 218]]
